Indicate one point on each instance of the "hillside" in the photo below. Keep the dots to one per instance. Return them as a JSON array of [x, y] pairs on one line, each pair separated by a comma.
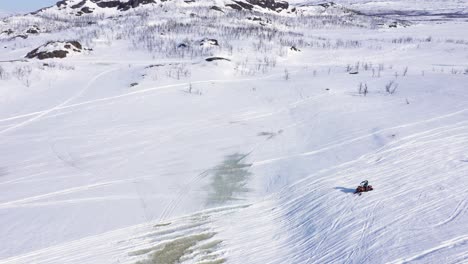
[[230, 131]]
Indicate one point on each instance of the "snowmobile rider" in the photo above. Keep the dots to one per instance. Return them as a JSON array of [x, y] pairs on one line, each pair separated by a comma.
[[364, 184]]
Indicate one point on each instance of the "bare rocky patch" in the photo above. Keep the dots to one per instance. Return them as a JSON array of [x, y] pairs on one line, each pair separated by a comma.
[[55, 49], [273, 5], [210, 59], [83, 7]]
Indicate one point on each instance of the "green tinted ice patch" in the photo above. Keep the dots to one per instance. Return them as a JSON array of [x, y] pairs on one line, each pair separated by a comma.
[[173, 251], [218, 261], [229, 180]]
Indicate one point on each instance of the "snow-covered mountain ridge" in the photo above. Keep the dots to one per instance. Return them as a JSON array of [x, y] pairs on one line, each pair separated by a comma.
[[83, 7]]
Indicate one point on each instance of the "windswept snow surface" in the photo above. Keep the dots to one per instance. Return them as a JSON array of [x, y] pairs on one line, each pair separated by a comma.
[[141, 151]]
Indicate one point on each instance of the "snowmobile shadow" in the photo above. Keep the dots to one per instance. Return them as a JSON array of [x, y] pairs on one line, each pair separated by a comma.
[[345, 190]]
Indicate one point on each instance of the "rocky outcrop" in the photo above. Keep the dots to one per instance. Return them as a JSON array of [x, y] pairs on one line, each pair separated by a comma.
[[273, 5], [55, 50], [216, 58], [84, 9], [8, 32], [270, 4], [294, 48], [206, 42], [33, 30], [123, 6], [215, 8], [240, 5], [79, 5], [327, 5], [61, 3]]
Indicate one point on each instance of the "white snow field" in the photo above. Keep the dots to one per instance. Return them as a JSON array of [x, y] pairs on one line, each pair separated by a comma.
[[194, 132]]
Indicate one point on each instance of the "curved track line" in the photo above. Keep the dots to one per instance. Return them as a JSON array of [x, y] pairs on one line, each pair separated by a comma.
[[59, 106], [345, 142], [461, 240], [64, 104]]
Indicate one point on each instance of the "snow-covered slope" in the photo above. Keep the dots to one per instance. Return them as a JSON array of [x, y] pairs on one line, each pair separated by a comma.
[[411, 9], [115, 7], [194, 132], [3, 13]]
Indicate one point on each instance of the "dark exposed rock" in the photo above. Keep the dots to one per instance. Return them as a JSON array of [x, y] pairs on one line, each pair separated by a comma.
[[216, 58], [244, 5], [71, 45], [216, 9], [182, 45], [8, 32], [108, 4], [154, 65], [293, 48], [254, 18], [267, 4], [234, 6], [270, 4], [21, 36], [76, 44], [47, 55], [211, 42], [327, 5], [87, 10], [123, 6], [33, 30], [62, 3], [79, 5], [261, 21]]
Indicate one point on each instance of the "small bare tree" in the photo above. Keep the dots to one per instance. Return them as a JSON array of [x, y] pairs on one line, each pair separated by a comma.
[[391, 87], [405, 71], [286, 74], [3, 73], [363, 89]]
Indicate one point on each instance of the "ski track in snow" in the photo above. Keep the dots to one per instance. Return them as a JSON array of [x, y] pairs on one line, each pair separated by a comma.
[[457, 241], [65, 104], [62, 105], [348, 141]]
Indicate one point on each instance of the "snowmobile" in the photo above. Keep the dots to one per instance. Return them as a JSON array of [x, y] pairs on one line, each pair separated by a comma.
[[364, 187]]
